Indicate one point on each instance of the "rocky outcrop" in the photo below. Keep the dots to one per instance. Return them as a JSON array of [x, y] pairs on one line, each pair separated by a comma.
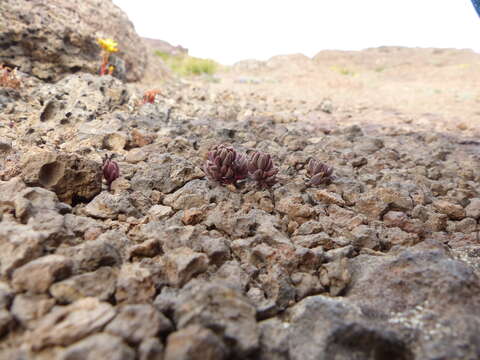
[[49, 39]]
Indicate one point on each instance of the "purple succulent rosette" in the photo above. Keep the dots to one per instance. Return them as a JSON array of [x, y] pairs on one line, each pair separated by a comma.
[[225, 165], [111, 170], [261, 169], [319, 172]]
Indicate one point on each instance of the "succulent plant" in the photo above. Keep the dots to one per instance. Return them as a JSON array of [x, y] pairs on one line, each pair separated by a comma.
[[261, 169], [225, 165], [319, 172], [111, 171]]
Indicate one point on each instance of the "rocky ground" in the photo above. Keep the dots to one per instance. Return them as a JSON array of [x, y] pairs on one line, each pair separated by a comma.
[[381, 263]]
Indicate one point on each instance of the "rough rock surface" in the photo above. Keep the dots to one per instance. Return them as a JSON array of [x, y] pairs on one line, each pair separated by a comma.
[[380, 262], [48, 39]]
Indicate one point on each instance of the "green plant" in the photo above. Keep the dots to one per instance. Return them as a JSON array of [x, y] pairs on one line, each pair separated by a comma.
[[185, 65], [343, 71]]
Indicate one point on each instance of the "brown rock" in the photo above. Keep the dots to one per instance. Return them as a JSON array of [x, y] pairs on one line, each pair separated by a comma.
[[135, 284], [39, 274], [70, 176], [182, 264], [99, 284], [453, 211], [67, 324], [29, 307]]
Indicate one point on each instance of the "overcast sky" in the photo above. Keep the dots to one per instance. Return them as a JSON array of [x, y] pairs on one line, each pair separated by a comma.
[[230, 30]]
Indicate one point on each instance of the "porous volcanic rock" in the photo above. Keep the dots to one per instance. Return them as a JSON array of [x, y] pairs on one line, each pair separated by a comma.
[[51, 38]]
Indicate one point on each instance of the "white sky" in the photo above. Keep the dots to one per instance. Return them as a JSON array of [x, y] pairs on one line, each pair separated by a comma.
[[230, 30]]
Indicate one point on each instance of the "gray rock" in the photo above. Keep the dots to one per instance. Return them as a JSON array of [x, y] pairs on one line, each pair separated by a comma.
[[99, 284], [167, 300], [221, 309], [60, 41], [166, 173], [19, 244], [134, 323], [92, 254], [67, 324], [109, 206], [274, 338], [39, 274], [195, 343], [331, 328], [98, 346]]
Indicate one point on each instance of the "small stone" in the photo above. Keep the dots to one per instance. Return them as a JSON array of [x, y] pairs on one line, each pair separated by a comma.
[[6, 295], [99, 284], [192, 216], [6, 322], [395, 219], [29, 307], [136, 322], [453, 211], [111, 206], [151, 349], [90, 255], [158, 212], [195, 343], [335, 276], [98, 346], [182, 264], [135, 284], [135, 155], [139, 138], [328, 197], [39, 274], [67, 324], [219, 307], [365, 237], [473, 209]]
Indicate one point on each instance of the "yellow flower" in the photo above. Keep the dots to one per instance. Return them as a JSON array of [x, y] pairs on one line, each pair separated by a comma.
[[108, 45]]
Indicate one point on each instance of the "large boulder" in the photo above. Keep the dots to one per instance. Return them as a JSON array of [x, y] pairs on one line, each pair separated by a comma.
[[49, 38]]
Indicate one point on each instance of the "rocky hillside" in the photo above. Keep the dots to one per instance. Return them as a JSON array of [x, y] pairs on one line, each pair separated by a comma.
[[379, 261]]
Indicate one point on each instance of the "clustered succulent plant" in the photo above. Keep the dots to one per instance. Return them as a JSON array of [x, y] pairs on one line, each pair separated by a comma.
[[318, 172], [225, 165], [111, 171], [261, 169]]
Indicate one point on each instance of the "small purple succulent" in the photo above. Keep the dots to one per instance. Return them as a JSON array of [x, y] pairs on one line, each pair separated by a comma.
[[225, 165], [319, 172], [261, 169], [111, 171]]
